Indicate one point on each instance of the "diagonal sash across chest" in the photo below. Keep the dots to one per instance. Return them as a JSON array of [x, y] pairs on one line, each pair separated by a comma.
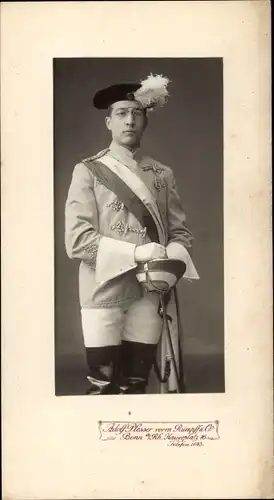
[[132, 191]]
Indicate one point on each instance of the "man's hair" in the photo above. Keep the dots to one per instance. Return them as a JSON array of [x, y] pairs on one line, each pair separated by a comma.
[[110, 109]]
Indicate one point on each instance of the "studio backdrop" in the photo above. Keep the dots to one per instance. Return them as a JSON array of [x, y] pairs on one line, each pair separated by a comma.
[[186, 135]]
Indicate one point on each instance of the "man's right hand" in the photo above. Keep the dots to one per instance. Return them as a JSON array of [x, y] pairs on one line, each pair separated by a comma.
[[150, 251]]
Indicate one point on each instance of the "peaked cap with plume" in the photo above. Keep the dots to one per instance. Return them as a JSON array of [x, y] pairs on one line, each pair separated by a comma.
[[150, 93]]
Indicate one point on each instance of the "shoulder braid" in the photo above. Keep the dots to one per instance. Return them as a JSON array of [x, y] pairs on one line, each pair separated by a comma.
[[97, 156]]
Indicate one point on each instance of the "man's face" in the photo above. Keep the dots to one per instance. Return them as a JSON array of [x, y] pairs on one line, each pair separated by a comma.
[[127, 123]]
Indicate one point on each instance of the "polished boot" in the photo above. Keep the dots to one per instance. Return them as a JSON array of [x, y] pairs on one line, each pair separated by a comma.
[[103, 363], [136, 362]]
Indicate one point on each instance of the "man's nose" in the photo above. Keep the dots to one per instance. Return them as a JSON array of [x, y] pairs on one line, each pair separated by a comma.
[[130, 119]]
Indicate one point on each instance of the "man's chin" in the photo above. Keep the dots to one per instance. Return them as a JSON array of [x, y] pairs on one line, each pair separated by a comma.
[[129, 141]]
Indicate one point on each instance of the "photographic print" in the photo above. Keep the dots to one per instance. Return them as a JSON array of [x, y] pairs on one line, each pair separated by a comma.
[[162, 120]]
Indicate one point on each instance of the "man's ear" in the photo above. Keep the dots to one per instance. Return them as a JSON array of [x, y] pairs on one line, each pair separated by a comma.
[[108, 122], [146, 121]]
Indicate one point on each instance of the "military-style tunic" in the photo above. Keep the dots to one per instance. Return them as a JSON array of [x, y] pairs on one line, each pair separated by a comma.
[[102, 233]]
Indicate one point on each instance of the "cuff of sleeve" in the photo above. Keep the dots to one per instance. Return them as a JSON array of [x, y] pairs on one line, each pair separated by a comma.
[[114, 257], [177, 251]]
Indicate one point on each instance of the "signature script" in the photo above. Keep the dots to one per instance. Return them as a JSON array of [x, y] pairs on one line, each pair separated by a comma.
[[172, 433]]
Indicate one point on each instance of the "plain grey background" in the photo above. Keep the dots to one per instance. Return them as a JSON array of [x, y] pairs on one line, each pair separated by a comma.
[[187, 135]]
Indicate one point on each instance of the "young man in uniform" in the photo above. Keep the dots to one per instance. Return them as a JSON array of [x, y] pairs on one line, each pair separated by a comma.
[[123, 209]]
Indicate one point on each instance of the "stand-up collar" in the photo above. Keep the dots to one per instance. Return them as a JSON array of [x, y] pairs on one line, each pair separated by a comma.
[[125, 154]]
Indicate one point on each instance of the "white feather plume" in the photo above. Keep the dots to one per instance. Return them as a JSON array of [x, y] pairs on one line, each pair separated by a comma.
[[153, 91]]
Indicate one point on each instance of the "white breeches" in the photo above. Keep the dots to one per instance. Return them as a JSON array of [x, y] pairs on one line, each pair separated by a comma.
[[109, 326]]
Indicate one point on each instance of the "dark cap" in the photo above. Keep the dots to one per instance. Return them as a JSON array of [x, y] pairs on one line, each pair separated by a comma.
[[120, 92]]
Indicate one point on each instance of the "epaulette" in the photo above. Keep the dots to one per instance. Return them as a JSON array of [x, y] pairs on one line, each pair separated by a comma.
[[95, 157]]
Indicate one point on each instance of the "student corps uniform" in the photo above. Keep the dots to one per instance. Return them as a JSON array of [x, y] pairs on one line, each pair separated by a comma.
[[116, 201], [120, 321]]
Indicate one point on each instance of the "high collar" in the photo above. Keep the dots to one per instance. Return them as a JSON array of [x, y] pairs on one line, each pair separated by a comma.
[[125, 153]]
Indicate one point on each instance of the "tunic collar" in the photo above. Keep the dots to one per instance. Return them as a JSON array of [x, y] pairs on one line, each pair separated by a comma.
[[135, 160], [125, 154]]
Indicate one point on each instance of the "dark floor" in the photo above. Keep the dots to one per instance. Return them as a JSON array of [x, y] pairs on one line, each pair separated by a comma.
[[204, 374]]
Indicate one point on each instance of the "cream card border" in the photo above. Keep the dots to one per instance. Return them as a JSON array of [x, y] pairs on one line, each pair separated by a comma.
[[51, 448]]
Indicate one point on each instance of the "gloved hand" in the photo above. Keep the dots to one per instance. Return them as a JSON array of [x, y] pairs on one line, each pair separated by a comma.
[[149, 251]]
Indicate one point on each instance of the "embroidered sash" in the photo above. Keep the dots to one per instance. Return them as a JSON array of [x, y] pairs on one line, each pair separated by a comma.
[[123, 168], [143, 211]]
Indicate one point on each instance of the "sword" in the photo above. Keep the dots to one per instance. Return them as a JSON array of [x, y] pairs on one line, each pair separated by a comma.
[[162, 275], [180, 387]]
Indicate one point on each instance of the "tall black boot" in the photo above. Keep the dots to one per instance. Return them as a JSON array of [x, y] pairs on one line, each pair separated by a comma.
[[136, 362], [103, 363]]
